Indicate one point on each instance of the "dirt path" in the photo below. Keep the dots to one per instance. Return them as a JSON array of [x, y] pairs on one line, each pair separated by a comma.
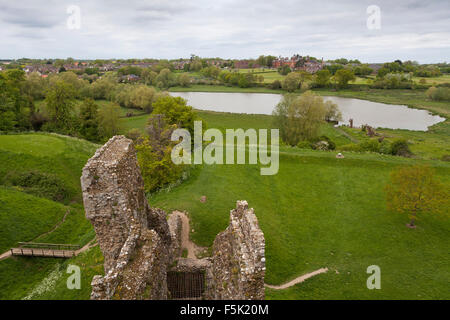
[[352, 139], [54, 228], [297, 280], [5, 255], [193, 250], [186, 243], [87, 246]]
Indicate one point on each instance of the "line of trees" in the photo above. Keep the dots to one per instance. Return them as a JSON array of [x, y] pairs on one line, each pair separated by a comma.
[[59, 111]]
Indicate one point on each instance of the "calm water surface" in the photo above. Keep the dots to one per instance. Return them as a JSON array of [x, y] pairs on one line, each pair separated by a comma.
[[361, 111]]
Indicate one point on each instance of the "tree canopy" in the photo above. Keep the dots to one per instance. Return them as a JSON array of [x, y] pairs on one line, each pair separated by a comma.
[[416, 191]]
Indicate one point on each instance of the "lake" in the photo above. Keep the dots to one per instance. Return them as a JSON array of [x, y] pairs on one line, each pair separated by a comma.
[[378, 115]]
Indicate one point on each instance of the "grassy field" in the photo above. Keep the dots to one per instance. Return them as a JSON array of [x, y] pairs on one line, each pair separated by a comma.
[[28, 215], [23, 217], [45, 278], [318, 211], [60, 157], [270, 75], [431, 81], [432, 144]]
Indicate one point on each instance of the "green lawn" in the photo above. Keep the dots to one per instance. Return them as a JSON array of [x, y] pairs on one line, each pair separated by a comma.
[[26, 216], [319, 211], [445, 78], [46, 278], [23, 217], [270, 75], [58, 156]]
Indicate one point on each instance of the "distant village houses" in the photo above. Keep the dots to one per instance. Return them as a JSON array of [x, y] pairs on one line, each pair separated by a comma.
[[179, 65], [245, 64], [297, 62]]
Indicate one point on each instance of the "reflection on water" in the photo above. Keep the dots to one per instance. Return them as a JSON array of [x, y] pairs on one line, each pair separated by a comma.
[[361, 111]]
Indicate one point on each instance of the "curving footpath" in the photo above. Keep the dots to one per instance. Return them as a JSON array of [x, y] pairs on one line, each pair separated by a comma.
[[297, 280]]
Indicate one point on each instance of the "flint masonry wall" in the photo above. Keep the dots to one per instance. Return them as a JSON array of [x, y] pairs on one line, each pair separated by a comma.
[[135, 240], [139, 245], [238, 266]]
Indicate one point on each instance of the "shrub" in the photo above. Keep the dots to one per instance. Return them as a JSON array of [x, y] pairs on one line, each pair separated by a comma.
[[158, 169], [275, 85], [323, 143], [304, 87], [385, 147], [176, 112], [304, 145], [439, 94], [39, 184], [284, 70], [394, 81], [299, 117], [133, 134], [400, 148], [343, 77], [351, 147], [184, 80], [371, 145]]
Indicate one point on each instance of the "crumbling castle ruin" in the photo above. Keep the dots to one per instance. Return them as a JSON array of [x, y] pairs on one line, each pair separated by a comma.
[[142, 246]]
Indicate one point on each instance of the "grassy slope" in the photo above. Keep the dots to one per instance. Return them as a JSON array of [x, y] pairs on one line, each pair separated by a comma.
[[46, 153], [23, 217], [20, 276]]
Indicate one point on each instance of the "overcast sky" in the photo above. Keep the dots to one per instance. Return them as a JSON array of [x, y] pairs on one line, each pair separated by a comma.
[[410, 30]]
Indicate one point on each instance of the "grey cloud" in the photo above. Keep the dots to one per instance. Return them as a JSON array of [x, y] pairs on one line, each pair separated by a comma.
[[28, 16], [228, 28]]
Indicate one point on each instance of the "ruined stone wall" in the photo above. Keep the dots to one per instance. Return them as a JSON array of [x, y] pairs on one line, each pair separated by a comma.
[[175, 225], [134, 239], [140, 246], [238, 267]]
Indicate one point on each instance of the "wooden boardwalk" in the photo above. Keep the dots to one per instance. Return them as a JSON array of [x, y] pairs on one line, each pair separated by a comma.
[[49, 250]]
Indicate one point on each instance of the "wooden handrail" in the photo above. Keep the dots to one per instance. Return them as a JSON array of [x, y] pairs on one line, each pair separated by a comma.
[[43, 252], [49, 245]]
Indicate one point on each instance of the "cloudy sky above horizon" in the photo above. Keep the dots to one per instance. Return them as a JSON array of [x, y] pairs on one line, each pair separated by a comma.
[[410, 30]]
